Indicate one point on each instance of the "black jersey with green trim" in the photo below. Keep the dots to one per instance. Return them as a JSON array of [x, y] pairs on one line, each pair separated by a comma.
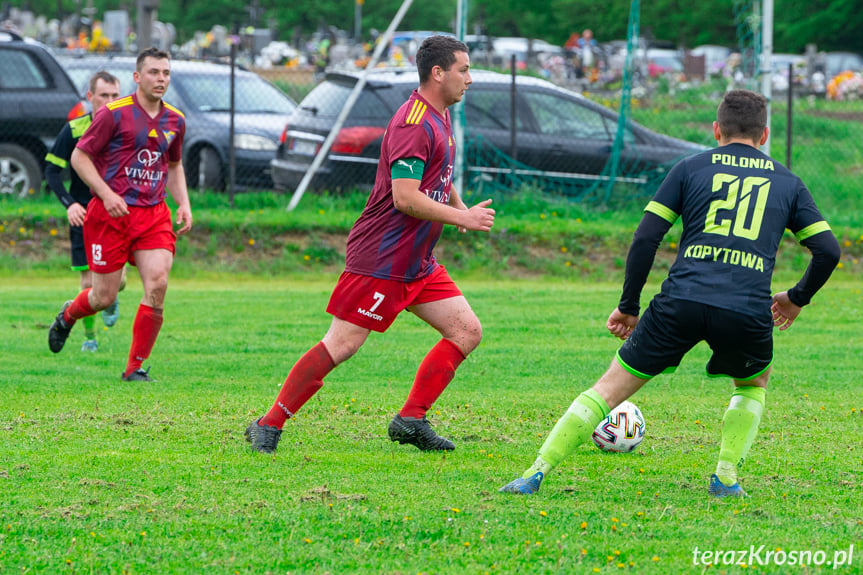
[[58, 159], [735, 204]]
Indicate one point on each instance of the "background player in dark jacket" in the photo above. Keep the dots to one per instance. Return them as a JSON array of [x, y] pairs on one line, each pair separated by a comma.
[[735, 204], [103, 88], [389, 264]]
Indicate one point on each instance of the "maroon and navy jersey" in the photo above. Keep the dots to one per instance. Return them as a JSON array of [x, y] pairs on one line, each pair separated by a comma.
[[132, 151], [384, 242]]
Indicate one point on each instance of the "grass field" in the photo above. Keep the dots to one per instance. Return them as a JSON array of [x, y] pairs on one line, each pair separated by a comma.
[[101, 476]]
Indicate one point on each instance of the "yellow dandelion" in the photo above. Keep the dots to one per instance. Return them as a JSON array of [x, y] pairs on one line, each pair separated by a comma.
[[584, 551], [21, 231], [251, 242], [306, 257], [321, 212], [568, 264], [840, 265], [584, 524], [697, 422], [307, 540], [621, 565], [578, 220], [542, 216], [596, 569], [563, 249], [847, 244], [640, 513], [673, 246], [467, 543], [654, 558], [53, 232], [614, 520], [2, 229], [543, 514]]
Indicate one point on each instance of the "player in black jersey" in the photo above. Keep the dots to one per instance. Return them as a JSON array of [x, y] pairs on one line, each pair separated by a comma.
[[735, 204], [103, 88]]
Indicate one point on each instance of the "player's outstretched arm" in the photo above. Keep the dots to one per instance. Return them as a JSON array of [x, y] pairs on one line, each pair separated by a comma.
[[177, 187], [621, 324], [83, 164], [409, 200], [784, 311]]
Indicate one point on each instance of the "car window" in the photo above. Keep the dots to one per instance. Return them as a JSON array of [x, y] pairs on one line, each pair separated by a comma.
[[212, 92], [490, 109], [328, 99], [558, 116], [19, 70], [81, 78]]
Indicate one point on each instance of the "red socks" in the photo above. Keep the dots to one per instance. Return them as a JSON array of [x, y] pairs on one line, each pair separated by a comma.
[[80, 308], [145, 330], [304, 380], [434, 374]]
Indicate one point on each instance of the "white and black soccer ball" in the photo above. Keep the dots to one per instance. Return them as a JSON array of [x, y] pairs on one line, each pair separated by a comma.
[[622, 430]]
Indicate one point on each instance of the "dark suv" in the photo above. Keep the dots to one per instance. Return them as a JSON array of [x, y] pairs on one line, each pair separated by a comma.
[[563, 141], [36, 99]]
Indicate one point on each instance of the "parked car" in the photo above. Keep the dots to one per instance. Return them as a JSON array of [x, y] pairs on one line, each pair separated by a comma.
[[36, 99], [837, 62], [779, 68], [715, 57], [560, 134], [201, 90], [663, 62]]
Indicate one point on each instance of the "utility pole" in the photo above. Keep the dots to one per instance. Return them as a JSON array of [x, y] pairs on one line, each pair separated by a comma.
[[358, 21], [145, 16]]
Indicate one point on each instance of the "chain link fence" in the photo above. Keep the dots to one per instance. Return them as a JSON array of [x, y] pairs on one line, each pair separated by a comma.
[[522, 133]]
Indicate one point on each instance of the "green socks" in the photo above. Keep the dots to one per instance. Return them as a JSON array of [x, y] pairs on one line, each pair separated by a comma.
[[89, 327], [739, 427], [574, 428]]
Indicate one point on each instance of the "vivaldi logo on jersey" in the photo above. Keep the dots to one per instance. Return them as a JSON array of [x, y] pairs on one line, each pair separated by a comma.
[[148, 159]]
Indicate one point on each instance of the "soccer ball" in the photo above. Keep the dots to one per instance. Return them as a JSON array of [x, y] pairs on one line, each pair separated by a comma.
[[622, 430]]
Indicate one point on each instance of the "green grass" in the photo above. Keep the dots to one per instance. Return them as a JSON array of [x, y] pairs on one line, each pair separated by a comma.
[[100, 476]]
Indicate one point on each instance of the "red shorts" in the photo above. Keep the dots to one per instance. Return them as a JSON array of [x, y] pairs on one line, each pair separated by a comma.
[[374, 303], [111, 242]]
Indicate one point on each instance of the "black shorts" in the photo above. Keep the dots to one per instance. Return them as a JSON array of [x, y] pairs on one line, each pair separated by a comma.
[[79, 252], [742, 344]]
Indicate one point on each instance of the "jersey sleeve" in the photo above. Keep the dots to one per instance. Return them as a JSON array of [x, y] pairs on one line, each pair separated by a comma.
[[56, 161], [667, 203], [175, 149], [410, 141], [806, 220], [96, 138]]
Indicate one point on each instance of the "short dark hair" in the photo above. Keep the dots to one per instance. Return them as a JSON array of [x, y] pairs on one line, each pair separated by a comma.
[[437, 50], [103, 75], [742, 113], [151, 52]]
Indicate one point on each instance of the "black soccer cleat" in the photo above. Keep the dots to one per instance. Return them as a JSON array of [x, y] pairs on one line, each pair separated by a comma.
[[138, 375], [417, 432], [59, 330], [264, 438]]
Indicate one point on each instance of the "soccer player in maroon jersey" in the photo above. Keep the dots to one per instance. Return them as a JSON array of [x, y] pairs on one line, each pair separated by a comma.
[[389, 262], [130, 154]]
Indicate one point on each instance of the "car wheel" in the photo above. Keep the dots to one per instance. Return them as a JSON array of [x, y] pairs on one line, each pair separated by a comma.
[[19, 171], [207, 170]]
